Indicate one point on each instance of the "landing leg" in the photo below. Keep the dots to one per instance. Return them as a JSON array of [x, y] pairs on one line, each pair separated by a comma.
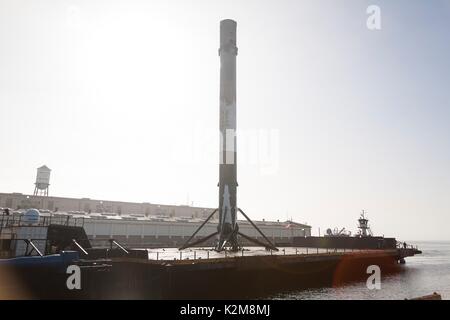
[[270, 245], [186, 244], [260, 243]]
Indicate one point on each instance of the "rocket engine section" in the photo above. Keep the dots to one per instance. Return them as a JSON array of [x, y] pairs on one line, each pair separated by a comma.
[[227, 227]]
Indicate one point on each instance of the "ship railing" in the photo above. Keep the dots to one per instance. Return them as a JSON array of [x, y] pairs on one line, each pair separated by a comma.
[[198, 254], [23, 247], [404, 245], [11, 220]]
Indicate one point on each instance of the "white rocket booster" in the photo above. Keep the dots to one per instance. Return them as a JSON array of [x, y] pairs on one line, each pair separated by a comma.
[[227, 165]]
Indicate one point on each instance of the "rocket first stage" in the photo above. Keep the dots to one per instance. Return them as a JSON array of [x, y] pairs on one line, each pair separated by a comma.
[[227, 227]]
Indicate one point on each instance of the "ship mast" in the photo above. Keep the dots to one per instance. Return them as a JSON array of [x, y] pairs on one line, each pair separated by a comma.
[[364, 228]]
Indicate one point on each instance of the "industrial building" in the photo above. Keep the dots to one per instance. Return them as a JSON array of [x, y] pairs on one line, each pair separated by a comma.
[[141, 224], [17, 201]]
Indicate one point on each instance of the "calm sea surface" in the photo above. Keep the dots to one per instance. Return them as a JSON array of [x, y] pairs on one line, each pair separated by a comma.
[[421, 275]]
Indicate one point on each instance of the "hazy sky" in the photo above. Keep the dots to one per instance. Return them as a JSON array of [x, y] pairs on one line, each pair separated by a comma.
[[121, 100]]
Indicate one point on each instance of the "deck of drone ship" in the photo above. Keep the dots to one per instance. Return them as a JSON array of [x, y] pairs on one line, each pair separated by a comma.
[[173, 254]]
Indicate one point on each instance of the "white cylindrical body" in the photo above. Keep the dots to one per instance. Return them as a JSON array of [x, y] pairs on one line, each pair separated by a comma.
[[227, 163]]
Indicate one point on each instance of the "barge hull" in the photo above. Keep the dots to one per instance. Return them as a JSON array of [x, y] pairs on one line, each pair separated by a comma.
[[247, 277], [241, 277]]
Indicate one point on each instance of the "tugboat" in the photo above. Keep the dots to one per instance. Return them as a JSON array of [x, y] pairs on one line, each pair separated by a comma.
[[363, 232], [344, 239]]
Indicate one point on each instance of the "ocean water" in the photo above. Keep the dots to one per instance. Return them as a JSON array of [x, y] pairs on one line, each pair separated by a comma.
[[421, 275]]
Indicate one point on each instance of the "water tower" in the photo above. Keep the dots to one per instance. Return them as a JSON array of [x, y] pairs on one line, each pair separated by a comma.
[[42, 181]]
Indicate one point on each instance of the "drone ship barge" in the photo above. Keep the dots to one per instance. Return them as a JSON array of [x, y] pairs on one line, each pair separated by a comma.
[[228, 270], [254, 271], [119, 272]]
